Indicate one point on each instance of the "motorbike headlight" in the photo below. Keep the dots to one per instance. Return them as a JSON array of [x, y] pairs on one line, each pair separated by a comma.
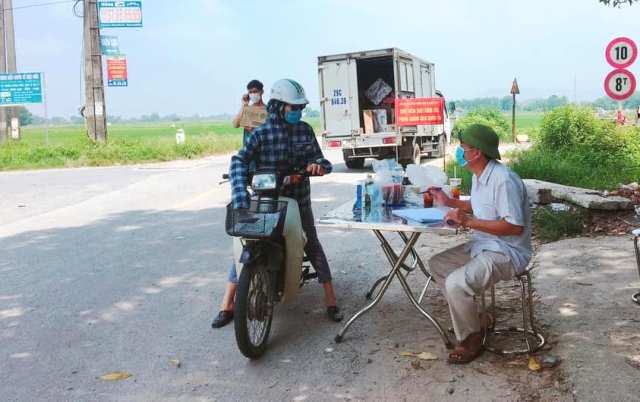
[[264, 181]]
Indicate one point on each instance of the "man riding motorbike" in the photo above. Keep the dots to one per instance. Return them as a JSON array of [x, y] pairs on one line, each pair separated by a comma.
[[286, 140]]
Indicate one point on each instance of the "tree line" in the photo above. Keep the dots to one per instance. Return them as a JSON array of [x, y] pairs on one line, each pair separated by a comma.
[[505, 103], [28, 118]]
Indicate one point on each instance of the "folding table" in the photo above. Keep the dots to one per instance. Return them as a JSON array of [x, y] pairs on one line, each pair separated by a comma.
[[381, 220]]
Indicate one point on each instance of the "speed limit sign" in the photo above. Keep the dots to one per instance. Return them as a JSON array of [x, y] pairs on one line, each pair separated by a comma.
[[621, 52], [620, 84]]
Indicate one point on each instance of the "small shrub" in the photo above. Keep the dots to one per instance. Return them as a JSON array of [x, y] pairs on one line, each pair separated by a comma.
[[574, 169], [575, 129], [575, 149], [490, 117], [550, 225], [566, 127]]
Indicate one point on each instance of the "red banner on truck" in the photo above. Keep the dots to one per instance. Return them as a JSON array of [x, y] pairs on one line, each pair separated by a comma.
[[419, 111]]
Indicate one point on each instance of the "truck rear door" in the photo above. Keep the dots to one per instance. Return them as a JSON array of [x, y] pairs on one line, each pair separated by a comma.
[[427, 81], [339, 97]]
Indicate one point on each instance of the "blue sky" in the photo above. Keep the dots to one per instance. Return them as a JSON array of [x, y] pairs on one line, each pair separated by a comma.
[[195, 56]]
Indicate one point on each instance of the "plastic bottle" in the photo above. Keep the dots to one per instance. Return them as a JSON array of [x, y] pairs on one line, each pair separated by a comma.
[[368, 188]]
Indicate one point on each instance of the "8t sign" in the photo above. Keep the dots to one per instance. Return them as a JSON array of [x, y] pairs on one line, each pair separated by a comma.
[[620, 84]]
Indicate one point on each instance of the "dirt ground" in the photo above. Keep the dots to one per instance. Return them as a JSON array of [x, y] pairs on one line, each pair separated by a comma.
[[585, 287]]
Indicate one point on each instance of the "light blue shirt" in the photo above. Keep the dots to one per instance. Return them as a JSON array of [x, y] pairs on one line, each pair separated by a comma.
[[499, 194]]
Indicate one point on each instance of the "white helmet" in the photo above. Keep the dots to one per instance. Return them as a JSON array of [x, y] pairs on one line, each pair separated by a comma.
[[288, 91]]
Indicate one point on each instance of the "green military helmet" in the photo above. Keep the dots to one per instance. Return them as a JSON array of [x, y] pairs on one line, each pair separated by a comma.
[[482, 137]]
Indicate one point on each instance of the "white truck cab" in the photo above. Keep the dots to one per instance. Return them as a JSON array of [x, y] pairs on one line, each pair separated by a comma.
[[357, 100]]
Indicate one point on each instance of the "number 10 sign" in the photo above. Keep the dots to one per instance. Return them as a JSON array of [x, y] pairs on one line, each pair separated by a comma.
[[620, 83]]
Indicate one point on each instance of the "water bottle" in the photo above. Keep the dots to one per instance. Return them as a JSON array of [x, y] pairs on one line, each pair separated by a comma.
[[359, 195]]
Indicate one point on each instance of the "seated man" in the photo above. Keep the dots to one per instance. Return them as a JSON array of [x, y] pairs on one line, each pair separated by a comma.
[[499, 215]]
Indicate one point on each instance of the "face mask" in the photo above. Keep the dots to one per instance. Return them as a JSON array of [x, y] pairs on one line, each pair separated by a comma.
[[254, 98], [460, 157], [293, 116]]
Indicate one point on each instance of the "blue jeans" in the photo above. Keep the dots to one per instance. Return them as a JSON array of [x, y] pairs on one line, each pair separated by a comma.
[[232, 276], [313, 249]]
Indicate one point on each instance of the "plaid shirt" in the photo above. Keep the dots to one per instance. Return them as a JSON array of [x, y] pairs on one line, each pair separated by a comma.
[[273, 144]]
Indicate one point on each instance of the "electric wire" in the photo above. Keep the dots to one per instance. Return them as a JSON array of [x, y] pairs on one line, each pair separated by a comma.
[[50, 3]]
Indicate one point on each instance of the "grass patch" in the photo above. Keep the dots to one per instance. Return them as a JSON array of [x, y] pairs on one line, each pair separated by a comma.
[[132, 143], [576, 149], [526, 120], [550, 225], [574, 169]]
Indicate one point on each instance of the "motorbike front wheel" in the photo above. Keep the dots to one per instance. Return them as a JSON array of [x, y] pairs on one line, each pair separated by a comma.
[[253, 310]]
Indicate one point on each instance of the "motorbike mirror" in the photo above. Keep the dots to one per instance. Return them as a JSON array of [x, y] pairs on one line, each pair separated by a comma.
[[264, 181]]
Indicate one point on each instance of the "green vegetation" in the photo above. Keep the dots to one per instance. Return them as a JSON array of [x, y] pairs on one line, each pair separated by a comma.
[[453, 170], [617, 3], [550, 225], [490, 117], [505, 103], [574, 148], [609, 104], [132, 143]]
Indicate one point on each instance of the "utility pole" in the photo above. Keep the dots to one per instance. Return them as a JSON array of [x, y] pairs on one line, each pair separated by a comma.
[[94, 111], [12, 67], [514, 91], [3, 69]]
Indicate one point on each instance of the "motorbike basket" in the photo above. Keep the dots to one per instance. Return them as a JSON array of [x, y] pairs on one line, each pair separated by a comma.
[[263, 220]]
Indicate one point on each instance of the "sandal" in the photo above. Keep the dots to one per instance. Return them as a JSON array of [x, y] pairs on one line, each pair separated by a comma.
[[334, 313], [465, 353]]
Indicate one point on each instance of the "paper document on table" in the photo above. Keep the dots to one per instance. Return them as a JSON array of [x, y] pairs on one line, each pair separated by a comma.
[[422, 215]]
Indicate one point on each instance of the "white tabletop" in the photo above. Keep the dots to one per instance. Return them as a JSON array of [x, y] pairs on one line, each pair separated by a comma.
[[382, 219]]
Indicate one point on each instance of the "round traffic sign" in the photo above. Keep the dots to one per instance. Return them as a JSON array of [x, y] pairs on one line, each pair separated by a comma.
[[621, 52], [620, 84]]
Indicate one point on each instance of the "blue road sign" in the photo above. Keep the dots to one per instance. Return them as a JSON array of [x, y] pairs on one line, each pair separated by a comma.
[[120, 14], [20, 88], [109, 45]]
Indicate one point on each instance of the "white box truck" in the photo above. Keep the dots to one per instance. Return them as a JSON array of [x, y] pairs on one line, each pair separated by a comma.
[[357, 98]]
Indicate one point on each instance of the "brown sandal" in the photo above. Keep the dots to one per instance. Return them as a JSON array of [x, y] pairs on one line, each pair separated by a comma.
[[465, 353]]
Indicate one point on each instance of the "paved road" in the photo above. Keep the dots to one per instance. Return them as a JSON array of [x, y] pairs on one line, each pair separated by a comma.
[[122, 268]]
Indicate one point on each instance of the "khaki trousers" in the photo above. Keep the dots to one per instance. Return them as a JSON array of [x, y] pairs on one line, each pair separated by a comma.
[[462, 278]]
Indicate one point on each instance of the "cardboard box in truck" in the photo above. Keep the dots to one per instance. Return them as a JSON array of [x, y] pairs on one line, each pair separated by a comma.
[[367, 116], [375, 120]]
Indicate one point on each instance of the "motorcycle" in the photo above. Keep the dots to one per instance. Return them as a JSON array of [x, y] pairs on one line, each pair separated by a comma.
[[269, 254]]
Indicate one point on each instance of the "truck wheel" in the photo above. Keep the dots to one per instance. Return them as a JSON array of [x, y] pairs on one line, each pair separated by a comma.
[[352, 163], [439, 152]]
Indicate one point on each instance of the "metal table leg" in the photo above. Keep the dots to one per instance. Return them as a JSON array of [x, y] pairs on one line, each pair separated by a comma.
[[417, 262], [397, 262], [422, 268]]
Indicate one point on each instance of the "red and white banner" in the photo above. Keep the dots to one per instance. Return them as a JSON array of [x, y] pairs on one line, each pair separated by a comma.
[[419, 111], [117, 71]]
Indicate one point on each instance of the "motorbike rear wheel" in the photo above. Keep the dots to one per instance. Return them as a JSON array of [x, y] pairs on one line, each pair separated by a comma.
[[253, 310]]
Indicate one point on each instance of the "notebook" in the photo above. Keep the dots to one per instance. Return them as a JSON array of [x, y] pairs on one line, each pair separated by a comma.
[[422, 215]]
